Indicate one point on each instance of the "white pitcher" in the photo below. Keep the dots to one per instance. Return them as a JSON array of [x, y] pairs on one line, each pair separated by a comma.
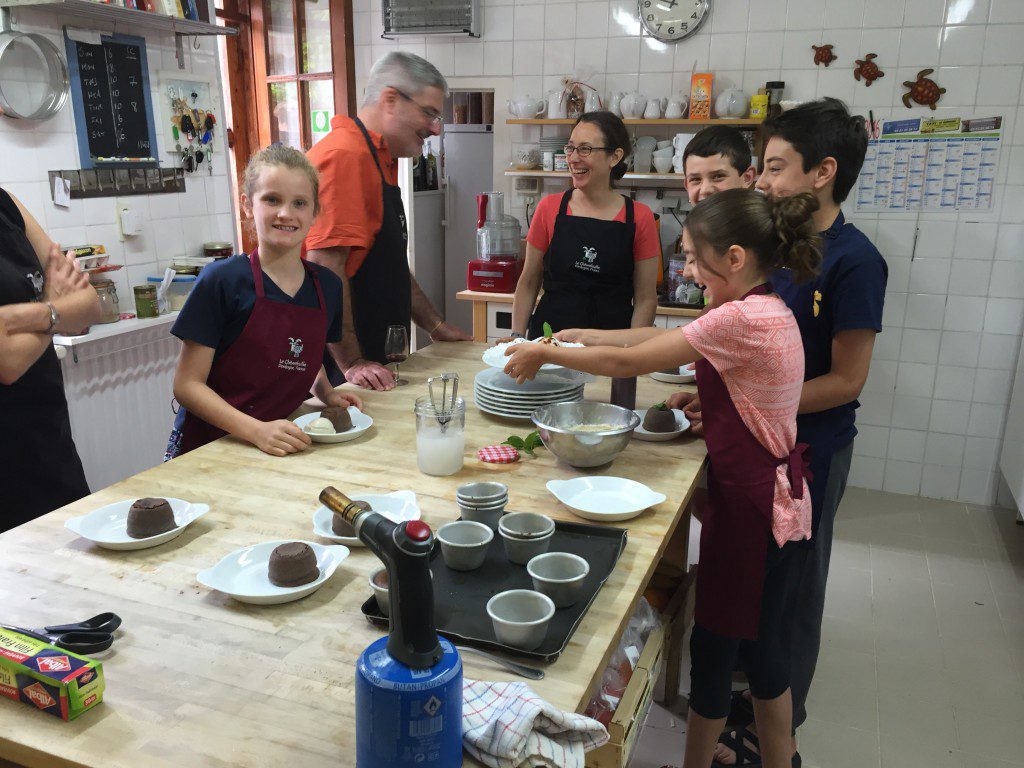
[[676, 107], [653, 109], [611, 102], [593, 102], [558, 105], [633, 105]]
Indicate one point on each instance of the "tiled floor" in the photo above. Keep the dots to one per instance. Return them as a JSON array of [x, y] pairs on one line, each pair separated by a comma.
[[922, 658]]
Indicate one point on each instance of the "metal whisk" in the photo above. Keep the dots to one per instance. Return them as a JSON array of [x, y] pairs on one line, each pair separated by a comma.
[[444, 408]]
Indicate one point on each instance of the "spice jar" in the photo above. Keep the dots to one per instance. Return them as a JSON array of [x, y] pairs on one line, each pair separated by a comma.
[[110, 308], [218, 250], [145, 301]]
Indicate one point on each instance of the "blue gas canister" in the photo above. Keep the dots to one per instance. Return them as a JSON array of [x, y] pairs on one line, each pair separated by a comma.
[[408, 684], [408, 717]]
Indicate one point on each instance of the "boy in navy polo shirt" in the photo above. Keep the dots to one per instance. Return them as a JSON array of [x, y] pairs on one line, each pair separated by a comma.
[[819, 147]]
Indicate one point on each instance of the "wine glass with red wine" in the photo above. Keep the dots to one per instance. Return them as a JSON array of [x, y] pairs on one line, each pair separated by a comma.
[[396, 349]]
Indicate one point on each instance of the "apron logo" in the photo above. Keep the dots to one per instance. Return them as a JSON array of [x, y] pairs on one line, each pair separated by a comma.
[[587, 262], [37, 282], [295, 347], [817, 298]]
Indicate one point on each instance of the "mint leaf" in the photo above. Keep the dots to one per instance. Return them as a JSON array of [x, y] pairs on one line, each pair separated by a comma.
[[516, 442], [548, 333]]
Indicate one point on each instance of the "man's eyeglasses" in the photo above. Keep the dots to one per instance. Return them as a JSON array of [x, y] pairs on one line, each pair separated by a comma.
[[434, 117], [583, 151]]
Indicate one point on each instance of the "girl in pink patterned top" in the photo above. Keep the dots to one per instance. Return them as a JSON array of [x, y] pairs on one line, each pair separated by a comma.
[[750, 366]]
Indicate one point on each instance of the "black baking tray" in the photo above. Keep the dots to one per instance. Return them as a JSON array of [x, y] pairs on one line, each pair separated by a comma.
[[460, 597]]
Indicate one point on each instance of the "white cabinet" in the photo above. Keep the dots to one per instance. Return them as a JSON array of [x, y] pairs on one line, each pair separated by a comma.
[[119, 389]]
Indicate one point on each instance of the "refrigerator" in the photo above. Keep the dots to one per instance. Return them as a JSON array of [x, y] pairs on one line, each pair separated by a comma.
[[468, 170]]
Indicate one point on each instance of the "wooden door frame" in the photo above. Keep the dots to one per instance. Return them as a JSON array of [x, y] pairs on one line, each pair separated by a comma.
[[246, 78]]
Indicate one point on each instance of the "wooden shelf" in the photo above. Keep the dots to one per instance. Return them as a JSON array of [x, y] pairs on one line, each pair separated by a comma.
[[116, 15], [737, 123], [637, 177]]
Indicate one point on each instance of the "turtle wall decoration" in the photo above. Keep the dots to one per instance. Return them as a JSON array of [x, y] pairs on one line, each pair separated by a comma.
[[867, 69], [823, 54], [924, 91]]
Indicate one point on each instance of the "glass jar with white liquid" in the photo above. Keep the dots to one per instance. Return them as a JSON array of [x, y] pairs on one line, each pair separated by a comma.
[[440, 447]]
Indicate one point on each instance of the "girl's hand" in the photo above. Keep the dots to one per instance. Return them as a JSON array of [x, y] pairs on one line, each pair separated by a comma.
[[690, 405], [582, 336], [280, 437], [342, 399], [525, 360]]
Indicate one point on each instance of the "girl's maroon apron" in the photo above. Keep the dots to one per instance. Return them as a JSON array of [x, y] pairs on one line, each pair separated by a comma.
[[737, 528], [271, 367]]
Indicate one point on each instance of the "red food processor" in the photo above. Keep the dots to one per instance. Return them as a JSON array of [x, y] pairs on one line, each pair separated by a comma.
[[498, 265]]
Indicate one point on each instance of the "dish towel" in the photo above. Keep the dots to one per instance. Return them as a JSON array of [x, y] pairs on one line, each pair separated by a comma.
[[505, 725]]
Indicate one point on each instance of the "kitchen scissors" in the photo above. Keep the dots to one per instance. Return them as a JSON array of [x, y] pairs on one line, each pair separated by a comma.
[[85, 637]]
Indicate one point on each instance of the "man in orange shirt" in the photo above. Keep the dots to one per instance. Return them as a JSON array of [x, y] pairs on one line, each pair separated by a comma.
[[360, 232]]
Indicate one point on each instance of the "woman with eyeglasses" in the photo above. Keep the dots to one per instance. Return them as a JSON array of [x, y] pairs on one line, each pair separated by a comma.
[[591, 249]]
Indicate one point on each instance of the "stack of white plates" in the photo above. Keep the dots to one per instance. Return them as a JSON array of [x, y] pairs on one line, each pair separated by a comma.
[[497, 394], [552, 143]]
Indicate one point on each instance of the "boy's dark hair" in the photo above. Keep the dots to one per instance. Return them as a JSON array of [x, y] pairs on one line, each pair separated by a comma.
[[721, 140], [615, 137], [820, 129]]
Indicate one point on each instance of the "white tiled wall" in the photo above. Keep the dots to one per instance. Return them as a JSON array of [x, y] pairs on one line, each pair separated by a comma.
[[933, 409], [172, 224]]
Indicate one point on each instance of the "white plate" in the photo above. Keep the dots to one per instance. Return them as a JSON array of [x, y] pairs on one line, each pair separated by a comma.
[[548, 397], [360, 423], [682, 424], [108, 526], [604, 499], [687, 373], [503, 400], [496, 358], [524, 409], [397, 507], [243, 573], [493, 379], [494, 412]]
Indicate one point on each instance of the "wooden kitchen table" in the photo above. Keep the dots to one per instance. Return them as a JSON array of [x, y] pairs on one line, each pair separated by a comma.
[[198, 679]]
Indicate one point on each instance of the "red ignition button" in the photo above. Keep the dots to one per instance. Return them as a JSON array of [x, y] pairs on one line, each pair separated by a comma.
[[417, 530]]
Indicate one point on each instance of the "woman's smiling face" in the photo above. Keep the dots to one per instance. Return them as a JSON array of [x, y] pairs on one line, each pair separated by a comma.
[[595, 168]]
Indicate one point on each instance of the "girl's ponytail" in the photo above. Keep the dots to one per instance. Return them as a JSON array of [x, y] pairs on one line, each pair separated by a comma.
[[780, 232], [799, 245]]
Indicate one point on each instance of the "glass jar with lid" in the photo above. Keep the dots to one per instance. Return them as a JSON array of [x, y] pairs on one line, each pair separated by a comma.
[[110, 307]]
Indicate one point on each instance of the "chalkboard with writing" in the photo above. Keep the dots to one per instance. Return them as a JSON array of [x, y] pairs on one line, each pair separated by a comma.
[[112, 103]]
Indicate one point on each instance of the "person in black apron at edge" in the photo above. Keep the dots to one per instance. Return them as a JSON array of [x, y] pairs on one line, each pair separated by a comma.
[[360, 233], [41, 293], [595, 252]]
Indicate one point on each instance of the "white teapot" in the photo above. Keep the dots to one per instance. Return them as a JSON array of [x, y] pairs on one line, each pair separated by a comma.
[[633, 105], [558, 105], [526, 107], [731, 103], [676, 107], [654, 107], [611, 102]]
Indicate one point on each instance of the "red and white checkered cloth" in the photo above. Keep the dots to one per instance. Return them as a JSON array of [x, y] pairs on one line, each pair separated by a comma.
[[498, 454], [505, 725]]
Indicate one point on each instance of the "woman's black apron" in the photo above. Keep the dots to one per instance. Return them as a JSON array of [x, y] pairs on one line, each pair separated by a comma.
[[39, 466]]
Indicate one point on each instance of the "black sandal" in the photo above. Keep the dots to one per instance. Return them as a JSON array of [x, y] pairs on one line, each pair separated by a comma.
[[741, 710], [736, 740]]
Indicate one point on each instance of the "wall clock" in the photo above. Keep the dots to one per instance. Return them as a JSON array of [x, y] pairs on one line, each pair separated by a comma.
[[672, 20]]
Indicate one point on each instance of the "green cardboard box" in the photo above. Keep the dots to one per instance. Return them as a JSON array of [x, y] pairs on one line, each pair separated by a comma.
[[50, 678]]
